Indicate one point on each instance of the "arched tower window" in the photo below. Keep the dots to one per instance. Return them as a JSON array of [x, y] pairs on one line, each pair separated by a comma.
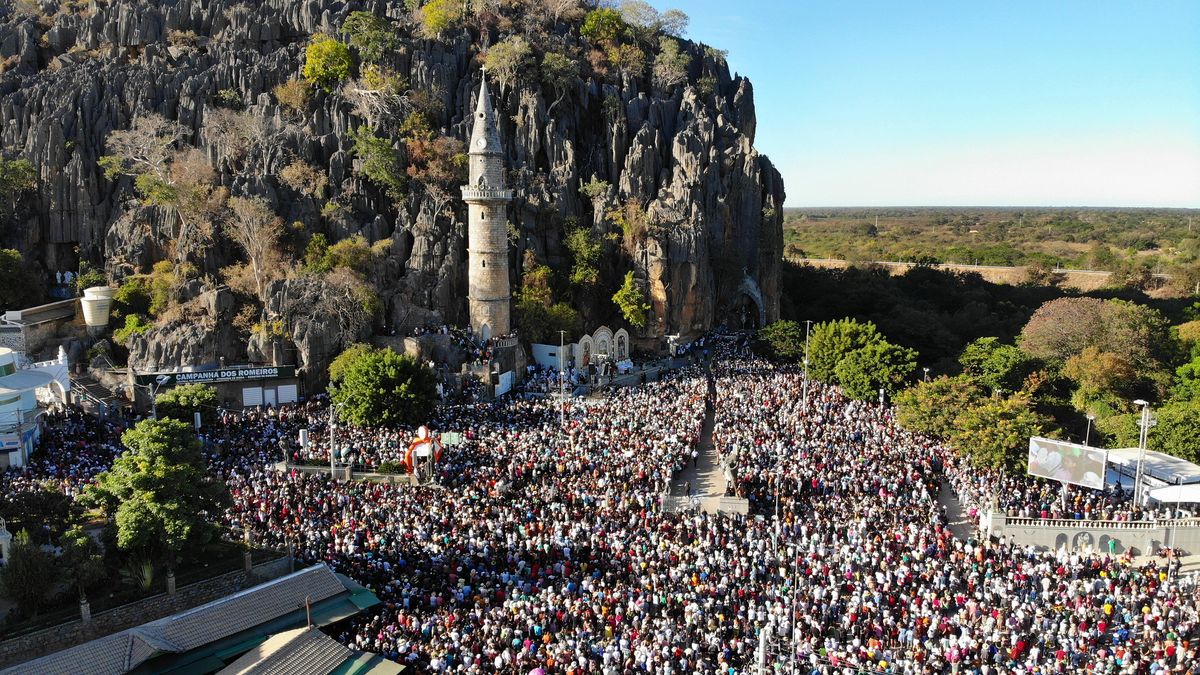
[[484, 263]]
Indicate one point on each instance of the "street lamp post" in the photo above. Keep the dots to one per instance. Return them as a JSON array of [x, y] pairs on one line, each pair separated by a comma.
[[562, 381], [807, 326], [332, 445], [1144, 423], [153, 390], [1087, 435], [926, 374]]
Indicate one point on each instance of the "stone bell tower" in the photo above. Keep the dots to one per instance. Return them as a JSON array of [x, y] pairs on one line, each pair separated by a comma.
[[489, 299]]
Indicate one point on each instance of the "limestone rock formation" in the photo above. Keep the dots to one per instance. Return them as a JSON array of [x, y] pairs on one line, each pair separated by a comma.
[[683, 153]]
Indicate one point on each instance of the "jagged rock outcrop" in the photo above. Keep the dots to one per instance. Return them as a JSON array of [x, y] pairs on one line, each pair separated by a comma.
[[683, 153]]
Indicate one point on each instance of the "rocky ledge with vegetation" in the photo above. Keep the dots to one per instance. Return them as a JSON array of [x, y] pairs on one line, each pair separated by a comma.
[[283, 175]]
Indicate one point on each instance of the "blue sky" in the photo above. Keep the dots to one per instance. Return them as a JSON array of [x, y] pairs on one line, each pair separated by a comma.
[[965, 103]]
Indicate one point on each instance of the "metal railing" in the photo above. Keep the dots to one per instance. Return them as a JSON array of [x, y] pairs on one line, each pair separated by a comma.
[[1100, 524]]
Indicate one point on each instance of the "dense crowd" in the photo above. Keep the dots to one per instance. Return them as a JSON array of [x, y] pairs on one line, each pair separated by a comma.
[[543, 547]]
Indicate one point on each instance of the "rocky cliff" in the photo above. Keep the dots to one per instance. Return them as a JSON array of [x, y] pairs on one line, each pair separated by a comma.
[[679, 150]]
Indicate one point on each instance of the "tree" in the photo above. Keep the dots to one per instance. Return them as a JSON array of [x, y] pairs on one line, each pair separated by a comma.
[[326, 62], [1063, 328], [585, 253], [17, 178], [82, 561], [995, 365], [603, 26], [1176, 430], [671, 64], [879, 365], [147, 147], [439, 16], [184, 401], [505, 60], [372, 36], [1104, 380], [933, 407], [159, 492], [351, 355], [19, 286], [293, 94], [540, 323], [995, 434], [181, 180], [304, 178], [28, 573], [379, 162], [630, 299], [256, 229], [782, 340], [832, 341], [560, 73], [379, 387]]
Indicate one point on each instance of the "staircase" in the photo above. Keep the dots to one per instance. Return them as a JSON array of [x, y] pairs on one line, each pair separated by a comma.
[[93, 396]]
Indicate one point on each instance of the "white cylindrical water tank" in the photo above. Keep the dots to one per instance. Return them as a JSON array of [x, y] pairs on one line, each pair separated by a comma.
[[97, 305]]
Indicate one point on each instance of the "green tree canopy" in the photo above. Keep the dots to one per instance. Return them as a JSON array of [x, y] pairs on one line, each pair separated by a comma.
[[184, 401], [28, 573], [996, 365], [630, 299], [833, 341], [603, 25], [540, 323], [996, 433], [380, 164], [879, 365], [1063, 328], [17, 178], [585, 254], [1176, 431], [19, 286], [782, 341], [379, 387], [933, 407], [82, 561], [506, 59], [159, 492], [372, 36], [327, 62]]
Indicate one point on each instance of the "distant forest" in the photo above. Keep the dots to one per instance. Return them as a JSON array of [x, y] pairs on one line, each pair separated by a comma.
[[1130, 242]]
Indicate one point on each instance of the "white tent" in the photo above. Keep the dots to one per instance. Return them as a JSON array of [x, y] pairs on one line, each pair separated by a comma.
[[1164, 467], [1177, 494]]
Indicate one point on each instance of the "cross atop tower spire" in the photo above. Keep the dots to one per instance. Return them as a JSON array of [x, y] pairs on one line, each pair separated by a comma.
[[485, 133]]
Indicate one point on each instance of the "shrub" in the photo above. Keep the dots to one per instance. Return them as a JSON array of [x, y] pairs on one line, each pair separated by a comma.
[[326, 62], [135, 324], [293, 94]]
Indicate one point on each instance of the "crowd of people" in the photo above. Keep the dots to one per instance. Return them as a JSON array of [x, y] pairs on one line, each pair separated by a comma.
[[541, 544]]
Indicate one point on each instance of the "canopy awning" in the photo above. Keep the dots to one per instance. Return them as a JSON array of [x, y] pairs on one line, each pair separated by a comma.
[[1164, 467], [1181, 494], [23, 381]]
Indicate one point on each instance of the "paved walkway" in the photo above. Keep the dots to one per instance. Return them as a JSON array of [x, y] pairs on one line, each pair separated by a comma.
[[705, 476], [961, 523]]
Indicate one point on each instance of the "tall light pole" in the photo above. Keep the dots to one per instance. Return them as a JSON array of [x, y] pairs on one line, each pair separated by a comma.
[[926, 374], [332, 446], [153, 390], [1142, 441], [807, 326], [562, 381], [1087, 435]]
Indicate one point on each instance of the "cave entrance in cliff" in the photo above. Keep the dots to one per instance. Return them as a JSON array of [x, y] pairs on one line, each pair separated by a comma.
[[746, 313]]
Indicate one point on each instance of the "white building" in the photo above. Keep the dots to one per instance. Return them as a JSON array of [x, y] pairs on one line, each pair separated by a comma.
[[23, 391]]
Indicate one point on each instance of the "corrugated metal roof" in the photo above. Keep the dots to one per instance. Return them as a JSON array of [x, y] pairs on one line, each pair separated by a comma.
[[124, 651], [303, 651]]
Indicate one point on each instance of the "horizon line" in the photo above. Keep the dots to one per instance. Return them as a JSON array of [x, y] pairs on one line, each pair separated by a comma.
[[986, 206]]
